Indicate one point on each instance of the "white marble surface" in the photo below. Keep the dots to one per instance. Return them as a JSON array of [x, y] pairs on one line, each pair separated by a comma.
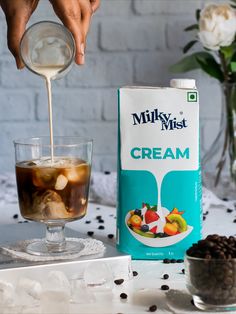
[[143, 290]]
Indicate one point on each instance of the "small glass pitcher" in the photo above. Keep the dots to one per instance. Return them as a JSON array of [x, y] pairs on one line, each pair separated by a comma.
[[48, 44]]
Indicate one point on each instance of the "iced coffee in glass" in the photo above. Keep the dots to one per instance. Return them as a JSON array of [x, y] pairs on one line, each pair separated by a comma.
[[53, 191]]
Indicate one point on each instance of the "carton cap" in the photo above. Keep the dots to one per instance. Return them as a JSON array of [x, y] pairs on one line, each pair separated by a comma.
[[183, 83]]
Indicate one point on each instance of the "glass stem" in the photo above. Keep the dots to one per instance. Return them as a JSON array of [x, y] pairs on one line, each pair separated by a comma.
[[55, 238]]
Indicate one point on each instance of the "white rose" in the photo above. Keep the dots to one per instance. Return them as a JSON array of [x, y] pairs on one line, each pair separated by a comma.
[[217, 26]]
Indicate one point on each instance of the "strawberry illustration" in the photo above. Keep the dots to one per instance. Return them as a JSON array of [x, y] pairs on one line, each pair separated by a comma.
[[153, 230], [151, 216]]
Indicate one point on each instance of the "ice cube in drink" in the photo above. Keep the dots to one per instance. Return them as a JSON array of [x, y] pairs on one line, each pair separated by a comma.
[[53, 191]]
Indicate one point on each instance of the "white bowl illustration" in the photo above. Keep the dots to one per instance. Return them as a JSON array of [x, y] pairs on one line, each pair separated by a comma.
[[159, 242]]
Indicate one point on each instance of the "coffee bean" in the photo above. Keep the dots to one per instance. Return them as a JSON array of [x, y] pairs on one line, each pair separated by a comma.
[[101, 221], [165, 287], [165, 276], [179, 261], [90, 233], [88, 222], [98, 217], [118, 281], [97, 208], [166, 261], [204, 217], [135, 273], [110, 236], [15, 216], [234, 221], [101, 227], [225, 199], [173, 261], [123, 296], [153, 308], [183, 271], [107, 172], [229, 210]]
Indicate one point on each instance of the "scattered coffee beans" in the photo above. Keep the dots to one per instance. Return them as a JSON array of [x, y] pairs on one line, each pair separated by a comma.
[[15, 216], [88, 222], [153, 308], [135, 273], [229, 210], [110, 236], [179, 261], [101, 227], [165, 287], [118, 281], [166, 261], [101, 221], [165, 276], [123, 295], [183, 271], [90, 233]]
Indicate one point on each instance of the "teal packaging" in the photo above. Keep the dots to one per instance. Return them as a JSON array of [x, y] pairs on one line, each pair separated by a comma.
[[159, 210]]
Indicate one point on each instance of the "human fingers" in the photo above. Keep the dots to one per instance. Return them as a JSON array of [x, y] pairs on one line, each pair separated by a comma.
[[86, 14], [17, 15], [69, 12], [95, 4]]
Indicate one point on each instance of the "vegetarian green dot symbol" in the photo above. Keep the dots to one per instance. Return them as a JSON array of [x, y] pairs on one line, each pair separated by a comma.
[[192, 96]]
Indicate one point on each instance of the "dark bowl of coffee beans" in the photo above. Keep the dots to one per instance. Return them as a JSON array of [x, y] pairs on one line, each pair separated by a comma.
[[210, 268]]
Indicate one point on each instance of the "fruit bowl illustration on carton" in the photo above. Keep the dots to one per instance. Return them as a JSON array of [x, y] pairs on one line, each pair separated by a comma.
[[147, 227]]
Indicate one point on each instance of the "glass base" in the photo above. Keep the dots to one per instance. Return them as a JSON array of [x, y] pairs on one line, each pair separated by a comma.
[[42, 248], [200, 304]]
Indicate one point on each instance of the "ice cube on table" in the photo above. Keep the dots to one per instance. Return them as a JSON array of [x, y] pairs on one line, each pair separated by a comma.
[[55, 302], [31, 287], [98, 278], [7, 293], [57, 281], [79, 292]]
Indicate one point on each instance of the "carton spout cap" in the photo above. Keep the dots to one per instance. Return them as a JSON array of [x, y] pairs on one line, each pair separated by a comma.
[[183, 83]]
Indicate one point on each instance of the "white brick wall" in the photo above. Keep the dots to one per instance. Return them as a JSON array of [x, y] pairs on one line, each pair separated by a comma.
[[130, 42]]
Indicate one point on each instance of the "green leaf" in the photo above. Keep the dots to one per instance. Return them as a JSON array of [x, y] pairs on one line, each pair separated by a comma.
[[191, 28], [189, 46], [189, 63], [233, 59], [211, 67], [198, 13], [227, 51], [154, 208], [233, 66]]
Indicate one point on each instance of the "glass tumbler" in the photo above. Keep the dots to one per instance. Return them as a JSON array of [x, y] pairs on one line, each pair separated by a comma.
[[50, 45], [53, 192], [212, 283]]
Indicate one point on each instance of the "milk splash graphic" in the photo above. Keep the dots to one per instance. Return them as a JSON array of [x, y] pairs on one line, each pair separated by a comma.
[[158, 137]]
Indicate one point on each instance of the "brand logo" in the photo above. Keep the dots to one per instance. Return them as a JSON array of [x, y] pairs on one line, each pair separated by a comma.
[[192, 96], [167, 121]]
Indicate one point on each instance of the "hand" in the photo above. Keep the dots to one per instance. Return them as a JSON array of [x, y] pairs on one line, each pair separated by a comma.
[[76, 16], [17, 15]]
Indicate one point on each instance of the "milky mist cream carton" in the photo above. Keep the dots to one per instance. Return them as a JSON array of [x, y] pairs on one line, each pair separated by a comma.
[[159, 178]]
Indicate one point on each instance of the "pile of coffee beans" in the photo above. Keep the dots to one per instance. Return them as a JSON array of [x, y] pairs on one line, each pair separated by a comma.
[[214, 246], [211, 272]]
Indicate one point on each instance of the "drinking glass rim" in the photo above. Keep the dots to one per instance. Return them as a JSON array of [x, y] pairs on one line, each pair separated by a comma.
[[62, 27], [80, 141], [220, 260]]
